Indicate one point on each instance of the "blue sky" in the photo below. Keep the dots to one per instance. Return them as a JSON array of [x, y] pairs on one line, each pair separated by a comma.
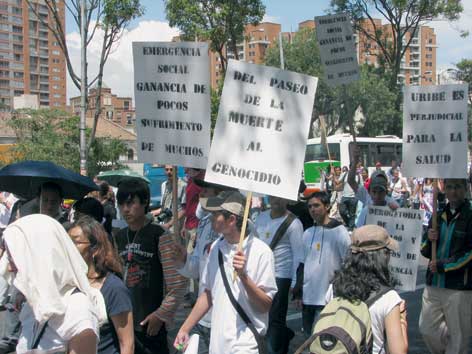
[[288, 13], [154, 27]]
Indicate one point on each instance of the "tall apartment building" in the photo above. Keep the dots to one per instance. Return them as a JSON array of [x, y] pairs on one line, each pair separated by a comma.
[[116, 109], [252, 50], [31, 61], [418, 66]]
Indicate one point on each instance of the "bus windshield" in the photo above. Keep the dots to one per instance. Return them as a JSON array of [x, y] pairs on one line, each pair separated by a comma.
[[317, 152]]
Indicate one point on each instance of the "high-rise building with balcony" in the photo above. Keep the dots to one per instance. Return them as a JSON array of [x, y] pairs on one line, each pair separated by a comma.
[[31, 60], [418, 66]]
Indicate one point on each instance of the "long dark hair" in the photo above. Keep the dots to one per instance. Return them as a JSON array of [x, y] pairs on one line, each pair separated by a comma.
[[362, 274], [105, 258]]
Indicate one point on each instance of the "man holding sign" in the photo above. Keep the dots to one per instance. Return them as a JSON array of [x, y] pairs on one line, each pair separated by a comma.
[[446, 314], [233, 329]]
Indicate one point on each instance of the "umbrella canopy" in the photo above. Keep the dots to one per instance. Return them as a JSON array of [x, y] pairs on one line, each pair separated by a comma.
[[25, 178], [116, 176]]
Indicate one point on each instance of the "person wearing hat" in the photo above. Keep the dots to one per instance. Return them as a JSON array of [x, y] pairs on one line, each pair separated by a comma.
[[252, 290], [446, 312], [365, 275], [374, 194], [191, 265]]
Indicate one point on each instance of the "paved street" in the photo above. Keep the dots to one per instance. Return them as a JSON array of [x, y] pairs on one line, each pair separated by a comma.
[[413, 300]]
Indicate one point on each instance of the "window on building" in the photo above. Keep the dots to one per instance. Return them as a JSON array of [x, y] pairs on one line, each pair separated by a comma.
[[129, 121], [56, 52], [18, 75], [107, 100], [126, 105], [110, 115], [56, 61], [130, 154]]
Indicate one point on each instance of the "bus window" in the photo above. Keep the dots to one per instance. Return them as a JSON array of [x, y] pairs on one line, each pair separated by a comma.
[[316, 152], [385, 153]]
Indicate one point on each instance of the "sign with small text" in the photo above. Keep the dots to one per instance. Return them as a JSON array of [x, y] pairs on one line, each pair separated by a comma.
[[406, 227], [337, 49], [435, 131], [172, 93]]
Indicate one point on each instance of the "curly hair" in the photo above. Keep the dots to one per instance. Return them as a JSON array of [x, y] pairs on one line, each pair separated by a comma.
[[362, 274], [106, 257]]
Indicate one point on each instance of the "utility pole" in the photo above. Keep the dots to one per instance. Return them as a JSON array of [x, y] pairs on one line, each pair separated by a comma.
[[83, 88]]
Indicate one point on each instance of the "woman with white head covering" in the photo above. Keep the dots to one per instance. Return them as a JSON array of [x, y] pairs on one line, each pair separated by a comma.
[[61, 312]]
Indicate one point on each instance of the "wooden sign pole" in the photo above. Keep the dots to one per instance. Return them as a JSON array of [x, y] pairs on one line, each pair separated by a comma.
[[243, 227]]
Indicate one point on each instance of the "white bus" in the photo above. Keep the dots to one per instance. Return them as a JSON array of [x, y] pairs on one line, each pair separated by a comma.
[[381, 149]]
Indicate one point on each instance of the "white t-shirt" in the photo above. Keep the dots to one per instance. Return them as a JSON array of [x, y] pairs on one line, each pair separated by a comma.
[[324, 251], [60, 329], [198, 259], [288, 252], [229, 333], [378, 312]]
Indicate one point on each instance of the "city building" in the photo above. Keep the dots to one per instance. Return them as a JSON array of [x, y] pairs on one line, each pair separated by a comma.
[[31, 61], [418, 66], [119, 110]]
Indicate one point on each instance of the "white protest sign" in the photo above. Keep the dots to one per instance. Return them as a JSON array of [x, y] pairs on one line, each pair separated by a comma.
[[435, 131], [172, 92], [262, 128], [406, 227], [337, 49]]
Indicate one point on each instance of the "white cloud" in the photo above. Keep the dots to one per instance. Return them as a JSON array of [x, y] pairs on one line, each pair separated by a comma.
[[268, 18], [118, 73], [452, 48]]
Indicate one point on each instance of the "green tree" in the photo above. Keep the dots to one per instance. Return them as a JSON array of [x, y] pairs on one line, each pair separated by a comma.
[[370, 93], [111, 16], [53, 135], [403, 18], [464, 73], [221, 22]]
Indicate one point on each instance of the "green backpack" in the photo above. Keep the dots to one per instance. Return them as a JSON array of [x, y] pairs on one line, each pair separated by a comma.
[[344, 327]]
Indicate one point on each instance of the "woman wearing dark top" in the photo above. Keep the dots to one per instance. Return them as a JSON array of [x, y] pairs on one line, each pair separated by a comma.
[[105, 270]]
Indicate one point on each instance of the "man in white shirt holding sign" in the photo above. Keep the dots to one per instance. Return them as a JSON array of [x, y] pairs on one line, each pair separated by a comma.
[[282, 232], [233, 330]]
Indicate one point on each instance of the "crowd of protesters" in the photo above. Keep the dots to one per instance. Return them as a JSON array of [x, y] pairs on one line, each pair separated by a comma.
[[71, 283]]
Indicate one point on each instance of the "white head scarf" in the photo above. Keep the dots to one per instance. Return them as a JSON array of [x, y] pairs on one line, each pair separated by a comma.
[[50, 268]]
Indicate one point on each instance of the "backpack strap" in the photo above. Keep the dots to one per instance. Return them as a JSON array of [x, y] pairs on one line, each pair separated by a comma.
[[238, 308], [282, 230], [40, 335], [377, 295]]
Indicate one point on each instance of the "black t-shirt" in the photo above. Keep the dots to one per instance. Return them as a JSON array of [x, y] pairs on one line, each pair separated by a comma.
[[145, 280], [117, 300]]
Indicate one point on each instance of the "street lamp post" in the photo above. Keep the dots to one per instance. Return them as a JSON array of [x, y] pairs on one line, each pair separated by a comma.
[[83, 88]]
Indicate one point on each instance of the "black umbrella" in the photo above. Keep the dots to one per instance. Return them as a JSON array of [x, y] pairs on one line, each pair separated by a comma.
[[25, 178]]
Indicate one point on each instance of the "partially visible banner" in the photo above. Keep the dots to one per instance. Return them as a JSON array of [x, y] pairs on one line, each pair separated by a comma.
[[337, 49], [262, 128], [172, 93], [435, 131], [406, 227]]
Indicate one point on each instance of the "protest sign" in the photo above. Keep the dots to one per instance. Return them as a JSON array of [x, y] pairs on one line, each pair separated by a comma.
[[262, 128], [337, 49], [435, 131], [172, 92], [406, 227]]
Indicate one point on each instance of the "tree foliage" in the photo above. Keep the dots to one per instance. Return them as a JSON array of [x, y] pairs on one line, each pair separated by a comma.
[[53, 135], [464, 73], [370, 94], [110, 16], [221, 22], [403, 17]]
